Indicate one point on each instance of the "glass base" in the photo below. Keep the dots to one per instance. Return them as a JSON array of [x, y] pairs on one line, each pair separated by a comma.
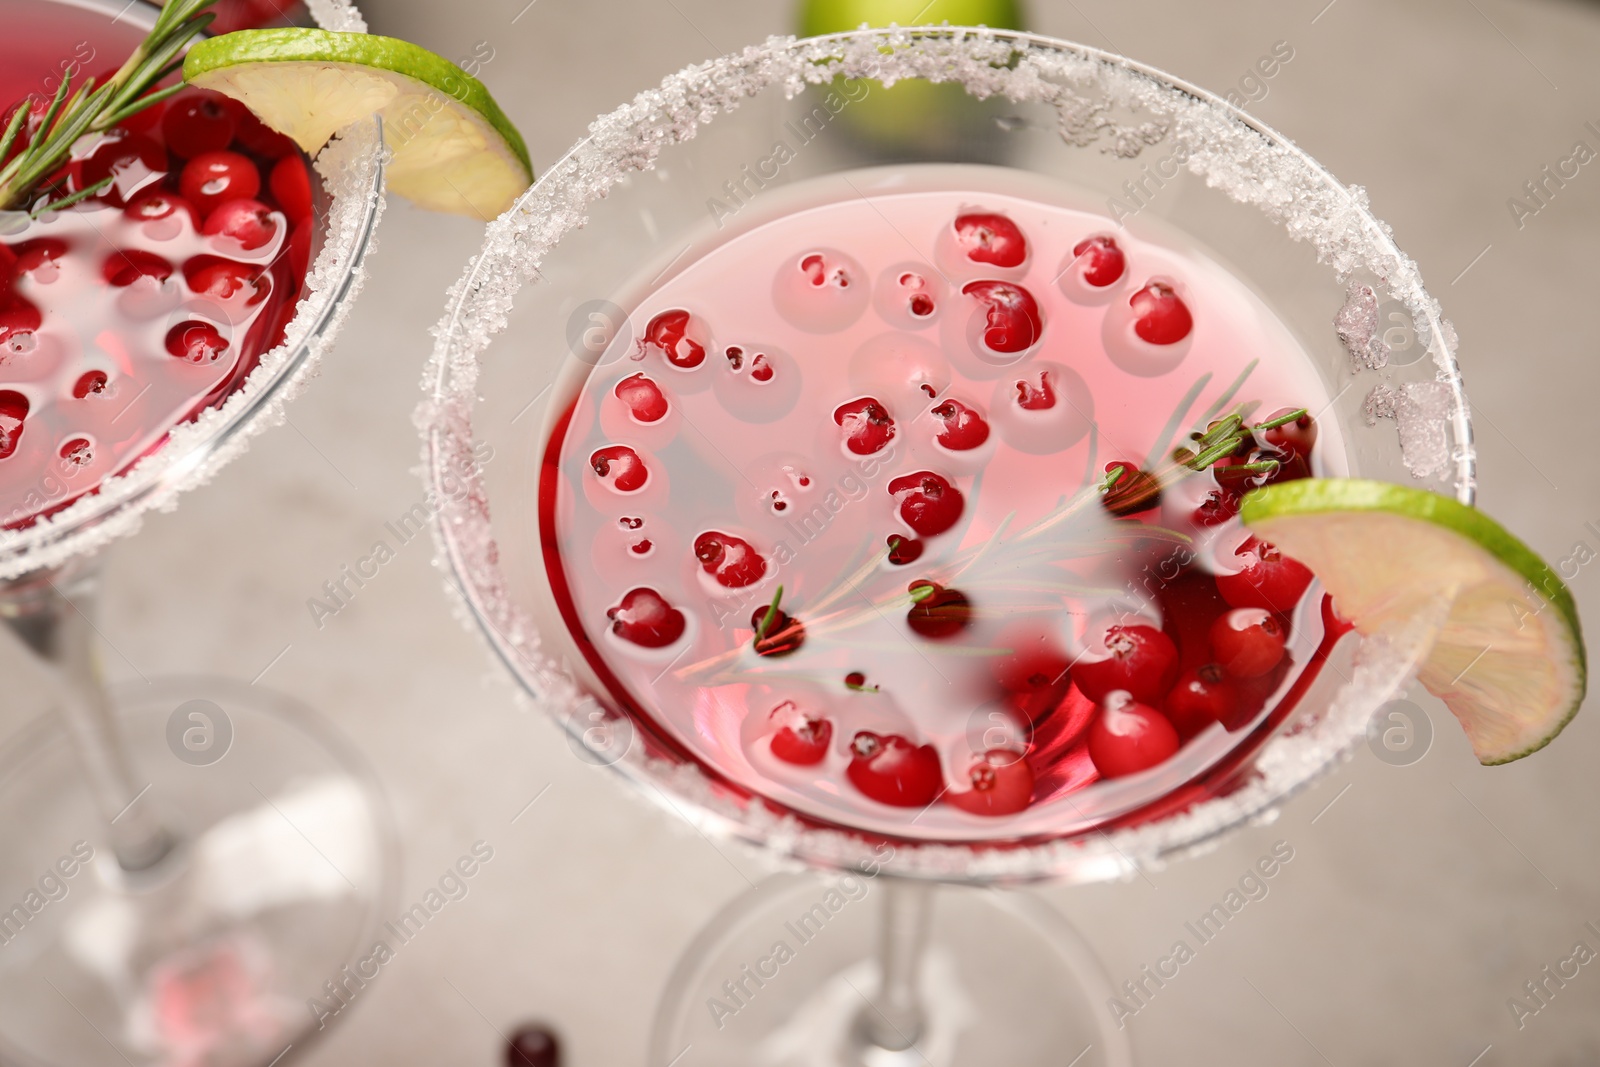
[[282, 861], [783, 977]]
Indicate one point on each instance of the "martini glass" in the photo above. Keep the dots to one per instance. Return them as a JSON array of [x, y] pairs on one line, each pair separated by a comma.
[[184, 861], [938, 972]]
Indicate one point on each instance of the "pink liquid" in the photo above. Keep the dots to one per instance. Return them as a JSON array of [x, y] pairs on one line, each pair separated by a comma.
[[112, 331], [756, 451]]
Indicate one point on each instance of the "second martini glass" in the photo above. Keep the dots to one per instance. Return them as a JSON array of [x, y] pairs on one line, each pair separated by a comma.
[[662, 183]]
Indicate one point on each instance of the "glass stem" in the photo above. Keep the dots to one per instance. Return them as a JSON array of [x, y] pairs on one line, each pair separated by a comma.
[[49, 616], [895, 1020]]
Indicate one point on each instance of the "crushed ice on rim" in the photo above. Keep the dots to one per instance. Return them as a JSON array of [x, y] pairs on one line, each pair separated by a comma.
[[1422, 412], [1357, 324]]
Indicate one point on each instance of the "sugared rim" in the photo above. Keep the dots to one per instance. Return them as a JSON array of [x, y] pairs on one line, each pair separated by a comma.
[[1251, 162], [352, 168]]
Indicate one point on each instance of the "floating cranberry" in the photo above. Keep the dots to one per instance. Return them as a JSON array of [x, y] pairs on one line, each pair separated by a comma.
[[13, 416], [196, 342], [991, 239], [904, 550], [1129, 737], [620, 467], [1216, 507], [197, 122], [39, 258], [290, 183], [250, 222], [822, 274], [964, 427], [128, 265], [132, 162], [76, 452], [18, 319], [1133, 491], [783, 634], [937, 612], [1201, 696], [1036, 397], [1266, 578], [256, 136], [212, 178], [646, 619], [802, 739], [1136, 658], [90, 383], [928, 503], [1295, 439], [867, 425], [857, 681], [891, 770], [731, 560], [642, 397], [761, 368], [1103, 262], [1013, 324], [1002, 784], [224, 279], [1162, 318], [160, 204], [1248, 642], [533, 1045], [669, 331]]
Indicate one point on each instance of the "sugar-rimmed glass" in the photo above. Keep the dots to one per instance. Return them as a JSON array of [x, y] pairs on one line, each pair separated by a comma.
[[192, 858], [642, 189]]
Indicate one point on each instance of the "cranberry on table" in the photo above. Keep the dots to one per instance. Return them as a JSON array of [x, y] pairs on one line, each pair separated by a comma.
[[1128, 737], [1248, 642], [1001, 784], [211, 178], [1266, 578], [1137, 659], [1201, 696], [533, 1045], [891, 770], [1161, 316]]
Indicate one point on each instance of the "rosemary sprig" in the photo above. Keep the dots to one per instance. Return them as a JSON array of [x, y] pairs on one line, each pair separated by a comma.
[[90, 109]]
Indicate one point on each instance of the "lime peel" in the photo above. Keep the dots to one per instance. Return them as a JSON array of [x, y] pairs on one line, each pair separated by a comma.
[[454, 149], [1508, 659]]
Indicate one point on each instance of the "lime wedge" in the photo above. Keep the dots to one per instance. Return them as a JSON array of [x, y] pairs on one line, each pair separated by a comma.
[[454, 150], [1508, 661]]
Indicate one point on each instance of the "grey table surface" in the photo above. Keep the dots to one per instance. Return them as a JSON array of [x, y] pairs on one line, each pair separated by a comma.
[[1421, 898]]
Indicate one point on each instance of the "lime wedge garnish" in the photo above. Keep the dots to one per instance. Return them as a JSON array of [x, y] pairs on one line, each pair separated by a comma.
[[454, 150], [1508, 660], [835, 16]]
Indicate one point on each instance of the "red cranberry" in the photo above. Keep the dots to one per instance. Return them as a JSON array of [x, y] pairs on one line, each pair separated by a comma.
[[211, 178], [1136, 658], [1295, 438], [13, 415], [621, 467], [128, 265], [196, 122], [1129, 737], [646, 619], [17, 318], [783, 635], [250, 222], [160, 204], [90, 383], [256, 136], [731, 560], [1266, 579], [964, 427], [815, 267], [1229, 473], [533, 1046], [1248, 642], [1041, 397], [196, 342], [669, 331], [1002, 784], [760, 369], [225, 279], [904, 550], [643, 398], [1162, 316], [857, 681], [938, 612], [928, 503], [867, 425], [76, 452], [38, 258], [802, 739], [1215, 508], [1103, 262], [891, 770], [992, 239], [1133, 491], [1202, 695], [131, 162], [1013, 323], [291, 187]]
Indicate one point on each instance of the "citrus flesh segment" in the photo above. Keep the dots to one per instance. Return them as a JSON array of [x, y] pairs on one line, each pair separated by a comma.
[[1508, 660], [453, 148]]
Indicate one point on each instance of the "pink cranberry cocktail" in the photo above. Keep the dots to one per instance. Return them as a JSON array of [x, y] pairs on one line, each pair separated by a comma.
[[899, 541]]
